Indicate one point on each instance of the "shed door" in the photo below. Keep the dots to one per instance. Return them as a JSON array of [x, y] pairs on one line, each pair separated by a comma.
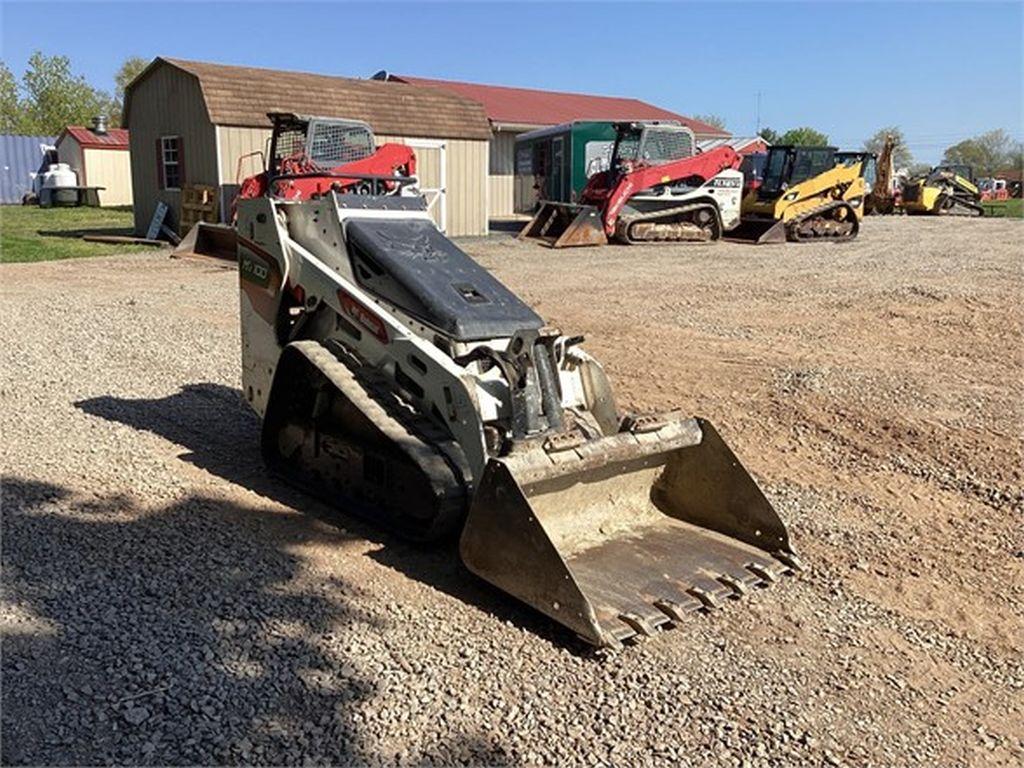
[[430, 169]]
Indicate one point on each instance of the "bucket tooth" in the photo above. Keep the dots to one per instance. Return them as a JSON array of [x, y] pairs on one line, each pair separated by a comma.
[[707, 600], [789, 560], [638, 624], [762, 572], [738, 588], [671, 608]]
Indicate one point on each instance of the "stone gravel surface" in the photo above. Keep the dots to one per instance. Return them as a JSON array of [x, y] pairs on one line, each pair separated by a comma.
[[166, 602]]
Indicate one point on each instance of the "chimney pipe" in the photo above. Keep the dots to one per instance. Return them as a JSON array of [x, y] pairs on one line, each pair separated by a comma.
[[99, 125]]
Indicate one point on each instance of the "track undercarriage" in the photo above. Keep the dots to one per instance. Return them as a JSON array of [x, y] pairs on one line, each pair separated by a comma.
[[953, 205], [692, 223]]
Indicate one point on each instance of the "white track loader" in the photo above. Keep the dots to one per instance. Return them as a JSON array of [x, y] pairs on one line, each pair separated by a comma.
[[399, 380]]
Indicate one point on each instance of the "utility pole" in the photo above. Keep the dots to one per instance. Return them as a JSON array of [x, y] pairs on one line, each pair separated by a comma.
[[758, 132]]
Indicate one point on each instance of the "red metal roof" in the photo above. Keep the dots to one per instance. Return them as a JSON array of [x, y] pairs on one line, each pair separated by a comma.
[[114, 138], [527, 106]]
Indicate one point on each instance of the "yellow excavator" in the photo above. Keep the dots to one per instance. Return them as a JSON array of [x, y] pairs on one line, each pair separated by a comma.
[[805, 195], [948, 190]]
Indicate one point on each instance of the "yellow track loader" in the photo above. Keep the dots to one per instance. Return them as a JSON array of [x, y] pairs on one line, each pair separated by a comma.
[[399, 380], [804, 195], [947, 190]]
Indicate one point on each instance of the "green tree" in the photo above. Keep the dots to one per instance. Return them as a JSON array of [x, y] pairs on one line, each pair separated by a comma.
[[804, 136], [10, 103], [986, 154], [901, 154], [54, 97], [130, 69], [772, 137], [715, 120]]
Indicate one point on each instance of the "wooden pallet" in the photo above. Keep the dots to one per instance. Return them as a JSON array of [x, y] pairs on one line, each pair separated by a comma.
[[198, 203]]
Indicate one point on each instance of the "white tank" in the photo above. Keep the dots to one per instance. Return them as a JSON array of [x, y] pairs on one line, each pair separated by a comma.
[[58, 184]]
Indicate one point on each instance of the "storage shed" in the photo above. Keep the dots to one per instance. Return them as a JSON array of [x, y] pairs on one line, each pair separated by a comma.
[[196, 123], [512, 111], [100, 157]]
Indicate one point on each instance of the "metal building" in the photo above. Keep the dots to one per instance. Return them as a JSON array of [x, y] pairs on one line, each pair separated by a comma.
[[744, 145], [199, 123], [20, 157], [100, 157], [512, 111]]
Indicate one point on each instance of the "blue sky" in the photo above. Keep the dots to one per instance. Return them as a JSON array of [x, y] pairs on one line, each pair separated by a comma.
[[941, 71]]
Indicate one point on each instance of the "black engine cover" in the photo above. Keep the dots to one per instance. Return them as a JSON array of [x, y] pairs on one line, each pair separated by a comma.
[[410, 264]]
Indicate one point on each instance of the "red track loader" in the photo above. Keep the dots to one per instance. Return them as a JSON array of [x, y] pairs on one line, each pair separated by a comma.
[[656, 190]]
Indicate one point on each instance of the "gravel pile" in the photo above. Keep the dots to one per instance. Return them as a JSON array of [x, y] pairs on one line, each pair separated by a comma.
[[165, 602]]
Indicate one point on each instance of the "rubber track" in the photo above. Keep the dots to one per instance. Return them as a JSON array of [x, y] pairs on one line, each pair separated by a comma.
[[814, 212], [625, 222], [960, 207], [425, 443]]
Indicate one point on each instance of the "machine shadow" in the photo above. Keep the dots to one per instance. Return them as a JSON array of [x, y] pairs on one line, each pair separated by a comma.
[[511, 227], [75, 234], [142, 636], [221, 435]]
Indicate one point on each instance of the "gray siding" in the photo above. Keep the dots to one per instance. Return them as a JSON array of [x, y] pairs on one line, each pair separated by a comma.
[[501, 178], [168, 102]]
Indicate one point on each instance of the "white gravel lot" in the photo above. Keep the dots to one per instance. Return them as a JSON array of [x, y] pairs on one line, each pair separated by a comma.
[[166, 602]]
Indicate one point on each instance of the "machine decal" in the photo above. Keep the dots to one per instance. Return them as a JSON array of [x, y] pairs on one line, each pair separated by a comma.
[[259, 277], [254, 264], [726, 181], [364, 316], [253, 270]]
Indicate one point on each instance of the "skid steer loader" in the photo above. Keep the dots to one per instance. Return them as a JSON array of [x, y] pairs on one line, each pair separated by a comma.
[[948, 190], [343, 141], [805, 195], [399, 380], [656, 190]]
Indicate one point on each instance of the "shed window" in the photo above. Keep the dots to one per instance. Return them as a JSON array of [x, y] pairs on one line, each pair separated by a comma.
[[170, 162]]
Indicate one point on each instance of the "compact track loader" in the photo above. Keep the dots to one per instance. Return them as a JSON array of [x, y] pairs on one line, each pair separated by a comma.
[[297, 179], [656, 190], [399, 380], [805, 195], [947, 190]]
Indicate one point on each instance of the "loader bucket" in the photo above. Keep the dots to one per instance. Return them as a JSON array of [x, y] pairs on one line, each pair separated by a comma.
[[210, 240], [563, 225], [776, 233], [627, 534], [761, 231]]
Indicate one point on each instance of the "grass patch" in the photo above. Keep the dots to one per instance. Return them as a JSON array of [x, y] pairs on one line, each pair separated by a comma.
[[1013, 208], [30, 233]]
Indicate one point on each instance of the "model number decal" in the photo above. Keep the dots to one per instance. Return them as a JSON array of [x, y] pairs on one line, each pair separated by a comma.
[[727, 182], [254, 264], [253, 270]]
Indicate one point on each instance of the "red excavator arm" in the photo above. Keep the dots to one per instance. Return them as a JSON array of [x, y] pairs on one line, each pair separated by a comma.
[[610, 190]]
